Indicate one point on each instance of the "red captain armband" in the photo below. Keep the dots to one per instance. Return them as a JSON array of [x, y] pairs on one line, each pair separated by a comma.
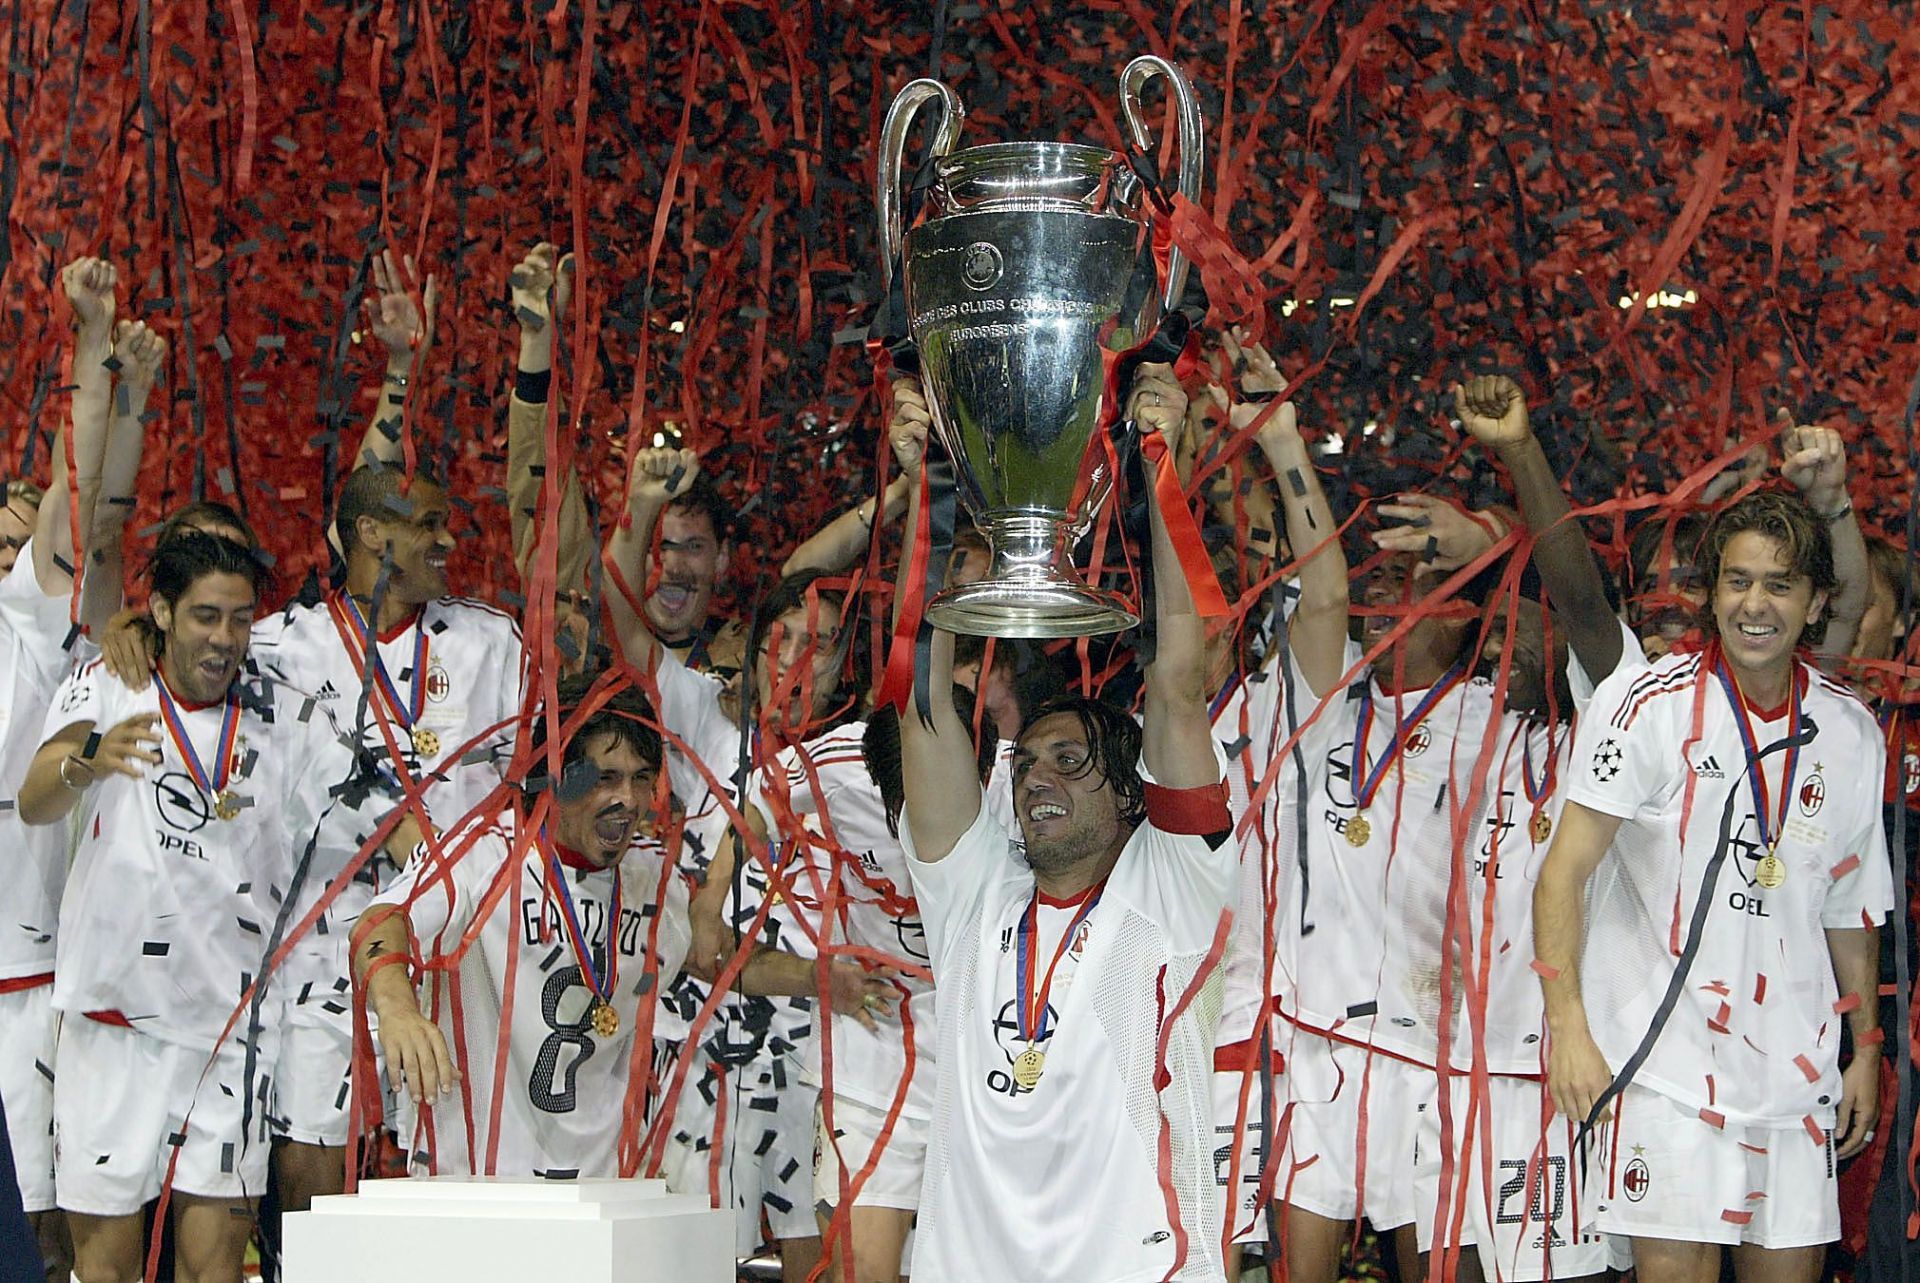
[[1197, 812]]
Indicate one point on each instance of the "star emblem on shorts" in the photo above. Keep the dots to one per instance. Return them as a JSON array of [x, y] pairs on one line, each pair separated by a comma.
[[1606, 761]]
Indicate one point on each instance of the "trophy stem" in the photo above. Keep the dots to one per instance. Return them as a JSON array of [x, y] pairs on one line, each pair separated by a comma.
[[1030, 590]]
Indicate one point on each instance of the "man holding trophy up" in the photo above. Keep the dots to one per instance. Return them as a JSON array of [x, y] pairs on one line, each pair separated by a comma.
[[1075, 962]]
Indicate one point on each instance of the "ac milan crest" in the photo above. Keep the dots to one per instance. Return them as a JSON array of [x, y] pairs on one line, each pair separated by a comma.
[[1635, 1181], [439, 685], [1812, 794], [1418, 739]]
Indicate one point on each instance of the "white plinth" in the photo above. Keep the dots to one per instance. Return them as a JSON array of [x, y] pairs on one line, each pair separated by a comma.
[[459, 1229]]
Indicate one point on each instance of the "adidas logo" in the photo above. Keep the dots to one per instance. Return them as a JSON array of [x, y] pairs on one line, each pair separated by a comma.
[[1709, 769], [326, 691]]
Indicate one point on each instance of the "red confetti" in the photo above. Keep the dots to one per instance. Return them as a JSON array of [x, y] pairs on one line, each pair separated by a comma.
[[1845, 867]]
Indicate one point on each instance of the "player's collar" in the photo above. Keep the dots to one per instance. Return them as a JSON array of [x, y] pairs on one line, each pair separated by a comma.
[[573, 859], [387, 634]]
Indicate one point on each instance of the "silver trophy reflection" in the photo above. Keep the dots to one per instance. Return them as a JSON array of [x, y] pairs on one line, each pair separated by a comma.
[[1020, 285]]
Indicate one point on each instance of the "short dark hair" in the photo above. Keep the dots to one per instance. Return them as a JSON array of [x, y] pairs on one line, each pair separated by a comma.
[[1113, 748], [880, 750], [1681, 535], [626, 715], [1889, 561], [190, 555], [202, 513], [377, 490], [703, 497], [1788, 521]]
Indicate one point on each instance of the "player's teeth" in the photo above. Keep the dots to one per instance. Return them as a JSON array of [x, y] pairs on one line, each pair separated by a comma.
[[1045, 811]]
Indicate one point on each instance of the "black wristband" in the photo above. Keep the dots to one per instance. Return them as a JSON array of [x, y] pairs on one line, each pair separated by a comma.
[[1261, 397], [532, 386]]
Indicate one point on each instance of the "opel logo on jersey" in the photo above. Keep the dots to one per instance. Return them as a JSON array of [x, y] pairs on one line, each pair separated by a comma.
[[913, 938], [1006, 1028], [180, 802], [439, 685], [1746, 852], [1813, 793], [1340, 775]]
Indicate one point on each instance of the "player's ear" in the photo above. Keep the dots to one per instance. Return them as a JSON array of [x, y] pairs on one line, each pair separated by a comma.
[[1817, 608], [162, 612], [366, 532]]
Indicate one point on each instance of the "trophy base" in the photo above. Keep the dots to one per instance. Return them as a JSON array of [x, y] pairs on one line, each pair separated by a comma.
[[1038, 609]]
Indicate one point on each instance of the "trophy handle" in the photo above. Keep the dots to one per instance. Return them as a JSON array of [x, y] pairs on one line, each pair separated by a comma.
[[893, 141], [1134, 79]]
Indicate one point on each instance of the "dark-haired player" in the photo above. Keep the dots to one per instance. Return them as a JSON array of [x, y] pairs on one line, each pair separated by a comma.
[[428, 687], [182, 866], [1729, 801], [571, 954], [1072, 1131]]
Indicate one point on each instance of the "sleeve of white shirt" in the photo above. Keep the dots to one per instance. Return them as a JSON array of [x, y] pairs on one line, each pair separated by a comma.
[[39, 623], [1583, 686], [440, 901], [80, 698], [1863, 895], [1179, 880], [690, 708], [952, 891], [1627, 747]]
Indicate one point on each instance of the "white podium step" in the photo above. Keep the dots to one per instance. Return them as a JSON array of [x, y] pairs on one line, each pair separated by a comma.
[[462, 1229]]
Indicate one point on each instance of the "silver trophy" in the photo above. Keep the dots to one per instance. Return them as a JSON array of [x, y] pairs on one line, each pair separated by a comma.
[[1021, 284]]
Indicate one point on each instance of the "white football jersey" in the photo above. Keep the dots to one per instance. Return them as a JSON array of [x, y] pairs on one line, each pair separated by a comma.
[[1518, 819], [1360, 942], [1248, 728], [1063, 1179], [1754, 1036], [169, 908], [565, 1083], [465, 660], [862, 871], [33, 658]]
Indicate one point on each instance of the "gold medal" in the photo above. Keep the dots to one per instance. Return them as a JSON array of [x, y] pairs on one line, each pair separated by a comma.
[[606, 1021], [1358, 831], [425, 742], [1772, 871], [1027, 1068], [1541, 828], [225, 805]]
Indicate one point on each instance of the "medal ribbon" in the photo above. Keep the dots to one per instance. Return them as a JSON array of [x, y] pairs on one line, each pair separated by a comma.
[[1772, 821], [1220, 700], [1537, 794], [177, 731], [363, 647], [1363, 728], [1033, 1007], [557, 882]]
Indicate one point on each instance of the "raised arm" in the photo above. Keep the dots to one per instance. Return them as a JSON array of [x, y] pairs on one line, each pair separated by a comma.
[[1814, 462], [1493, 410], [1176, 737], [1577, 1074], [839, 543], [541, 284], [938, 754], [1317, 631], [140, 353], [89, 285], [405, 330], [657, 478]]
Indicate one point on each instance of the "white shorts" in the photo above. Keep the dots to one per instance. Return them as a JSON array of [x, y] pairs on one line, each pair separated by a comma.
[[312, 1089], [895, 1179], [765, 1161], [1238, 1141], [124, 1103], [1671, 1174], [1328, 1089], [26, 1086], [1535, 1221]]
